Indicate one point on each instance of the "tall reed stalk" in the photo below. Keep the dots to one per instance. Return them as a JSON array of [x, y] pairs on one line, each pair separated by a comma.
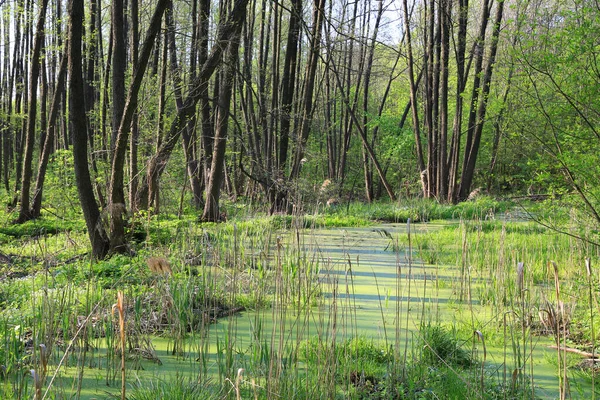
[[409, 277], [588, 268], [563, 383], [121, 311]]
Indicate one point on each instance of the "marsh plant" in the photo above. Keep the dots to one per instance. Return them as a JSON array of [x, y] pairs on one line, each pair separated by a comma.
[[279, 307]]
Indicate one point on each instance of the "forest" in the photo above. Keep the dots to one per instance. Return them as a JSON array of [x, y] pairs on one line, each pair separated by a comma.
[[199, 161]]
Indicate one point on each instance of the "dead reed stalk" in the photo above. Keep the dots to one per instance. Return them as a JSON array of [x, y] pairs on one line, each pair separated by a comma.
[[121, 310]]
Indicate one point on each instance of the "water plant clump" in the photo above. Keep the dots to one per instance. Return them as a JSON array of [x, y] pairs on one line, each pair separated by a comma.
[[440, 346]]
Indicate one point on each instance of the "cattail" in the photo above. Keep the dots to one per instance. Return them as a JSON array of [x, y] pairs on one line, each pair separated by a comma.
[[588, 266], [159, 265], [520, 277], [37, 381], [121, 310], [238, 380]]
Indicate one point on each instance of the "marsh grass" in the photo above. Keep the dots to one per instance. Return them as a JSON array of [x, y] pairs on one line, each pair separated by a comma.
[[422, 210], [303, 338]]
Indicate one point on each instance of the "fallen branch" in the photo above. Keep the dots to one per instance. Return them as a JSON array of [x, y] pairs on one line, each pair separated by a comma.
[[575, 351]]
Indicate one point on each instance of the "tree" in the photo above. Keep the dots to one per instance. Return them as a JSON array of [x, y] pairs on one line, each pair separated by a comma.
[[226, 81], [441, 165], [228, 27], [24, 211], [48, 143], [116, 187], [557, 97], [77, 120]]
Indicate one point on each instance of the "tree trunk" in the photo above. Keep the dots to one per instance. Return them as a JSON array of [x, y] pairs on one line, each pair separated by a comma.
[[7, 101], [133, 143], [217, 170], [288, 86], [228, 27], [119, 65], [207, 125], [367, 146], [472, 149], [152, 198], [413, 103], [49, 140], [461, 78], [368, 174], [346, 134], [77, 119], [192, 166], [116, 190], [24, 212], [442, 178], [309, 86], [20, 104]]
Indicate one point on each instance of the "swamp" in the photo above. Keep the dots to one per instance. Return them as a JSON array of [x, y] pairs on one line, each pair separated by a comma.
[[486, 304], [294, 199]]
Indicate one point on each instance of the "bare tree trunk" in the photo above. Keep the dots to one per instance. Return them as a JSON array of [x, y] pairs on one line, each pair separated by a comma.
[[217, 170], [413, 103], [152, 198], [7, 100], [62, 124], [24, 212], [20, 102], [77, 119], [472, 149], [192, 166], [346, 134], [106, 142], [119, 65], [92, 83], [369, 66], [271, 137], [443, 176], [430, 74], [228, 27], [309, 85], [49, 140], [461, 78], [133, 143], [116, 190], [288, 85]]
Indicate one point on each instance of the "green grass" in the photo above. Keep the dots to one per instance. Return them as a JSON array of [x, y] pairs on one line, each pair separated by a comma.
[[421, 210], [176, 388]]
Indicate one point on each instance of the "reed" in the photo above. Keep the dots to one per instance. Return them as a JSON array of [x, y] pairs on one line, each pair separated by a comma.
[[588, 269], [119, 307]]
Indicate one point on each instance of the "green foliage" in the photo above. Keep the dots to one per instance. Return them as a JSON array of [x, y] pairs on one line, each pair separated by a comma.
[[60, 190], [442, 347], [358, 350], [555, 109], [37, 227], [359, 361], [423, 210]]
